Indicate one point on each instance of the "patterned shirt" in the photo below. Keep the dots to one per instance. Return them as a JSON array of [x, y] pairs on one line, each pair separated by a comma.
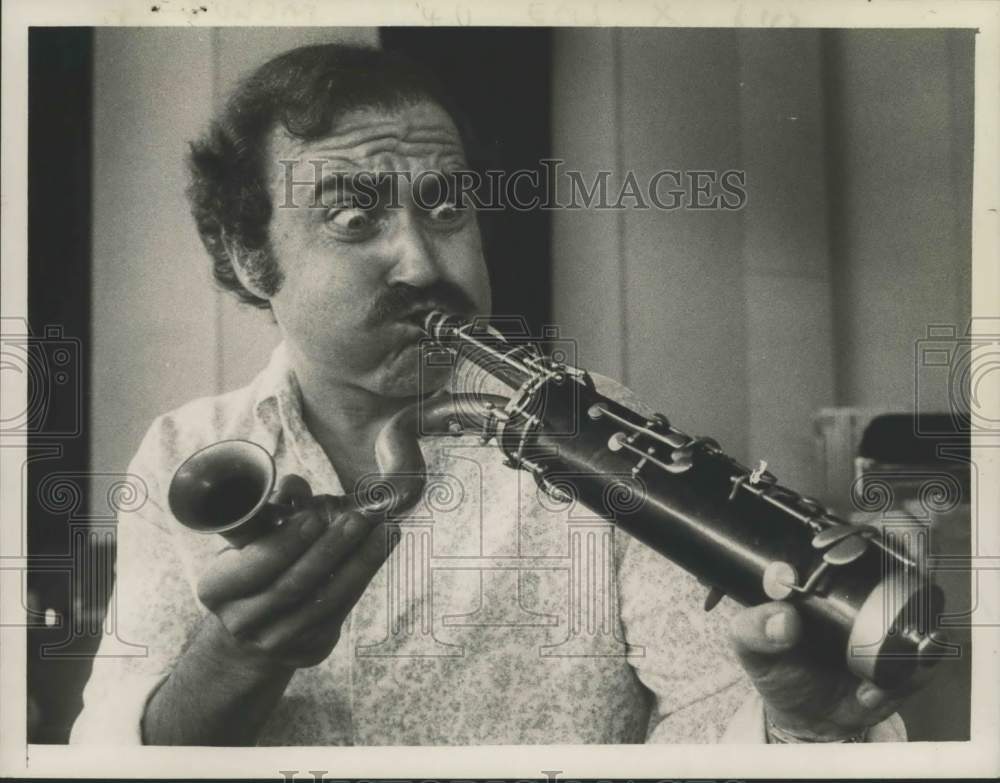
[[502, 617]]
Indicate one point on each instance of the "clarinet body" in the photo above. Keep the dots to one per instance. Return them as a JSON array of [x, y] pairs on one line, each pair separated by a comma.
[[864, 603]]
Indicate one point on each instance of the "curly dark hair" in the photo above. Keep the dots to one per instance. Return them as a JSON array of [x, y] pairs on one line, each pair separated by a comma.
[[306, 90]]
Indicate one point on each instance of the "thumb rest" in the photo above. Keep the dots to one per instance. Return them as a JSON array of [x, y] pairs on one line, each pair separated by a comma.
[[865, 604]]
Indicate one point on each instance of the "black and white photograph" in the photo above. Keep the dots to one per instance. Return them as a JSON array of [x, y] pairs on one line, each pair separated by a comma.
[[547, 391]]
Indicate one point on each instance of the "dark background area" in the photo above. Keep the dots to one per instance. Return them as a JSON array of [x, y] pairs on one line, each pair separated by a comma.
[[501, 78], [59, 283]]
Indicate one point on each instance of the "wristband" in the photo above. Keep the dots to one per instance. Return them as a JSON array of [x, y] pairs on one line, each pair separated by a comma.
[[779, 736]]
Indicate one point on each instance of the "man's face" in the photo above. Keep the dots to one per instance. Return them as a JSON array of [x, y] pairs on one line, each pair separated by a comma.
[[355, 272]]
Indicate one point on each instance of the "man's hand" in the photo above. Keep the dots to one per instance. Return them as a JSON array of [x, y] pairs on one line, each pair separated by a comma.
[[277, 605], [801, 697], [284, 596]]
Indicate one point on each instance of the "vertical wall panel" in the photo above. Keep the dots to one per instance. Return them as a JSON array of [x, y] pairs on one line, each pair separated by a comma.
[[902, 141], [586, 254], [786, 250], [153, 324], [655, 298], [960, 66], [855, 236], [686, 306]]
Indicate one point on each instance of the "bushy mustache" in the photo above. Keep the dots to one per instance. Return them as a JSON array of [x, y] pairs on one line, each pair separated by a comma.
[[401, 301]]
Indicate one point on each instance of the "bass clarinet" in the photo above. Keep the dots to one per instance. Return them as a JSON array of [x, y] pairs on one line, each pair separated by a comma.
[[866, 605]]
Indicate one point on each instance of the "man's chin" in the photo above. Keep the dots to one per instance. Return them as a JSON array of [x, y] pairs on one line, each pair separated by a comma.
[[407, 378]]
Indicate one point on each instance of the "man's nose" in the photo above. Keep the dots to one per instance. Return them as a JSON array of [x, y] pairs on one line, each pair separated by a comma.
[[414, 253]]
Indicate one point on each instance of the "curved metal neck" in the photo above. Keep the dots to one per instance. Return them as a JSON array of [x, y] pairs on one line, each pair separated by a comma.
[[479, 343]]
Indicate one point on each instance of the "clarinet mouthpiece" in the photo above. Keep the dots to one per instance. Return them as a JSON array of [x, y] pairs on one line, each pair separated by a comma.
[[434, 321]]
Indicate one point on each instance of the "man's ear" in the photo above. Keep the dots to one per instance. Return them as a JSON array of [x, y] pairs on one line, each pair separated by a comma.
[[256, 270], [247, 269]]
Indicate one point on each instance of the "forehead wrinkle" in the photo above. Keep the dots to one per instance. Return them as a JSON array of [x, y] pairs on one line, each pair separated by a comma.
[[426, 135], [395, 124], [381, 131], [382, 158], [371, 148], [309, 179], [380, 162], [373, 141]]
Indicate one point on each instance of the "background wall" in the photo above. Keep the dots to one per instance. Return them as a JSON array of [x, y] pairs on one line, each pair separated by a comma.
[[857, 147], [500, 77], [747, 325]]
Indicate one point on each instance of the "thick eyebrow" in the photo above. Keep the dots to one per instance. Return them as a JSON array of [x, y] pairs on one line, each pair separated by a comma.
[[335, 183], [339, 184]]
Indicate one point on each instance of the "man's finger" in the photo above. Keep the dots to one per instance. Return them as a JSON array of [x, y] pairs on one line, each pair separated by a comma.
[[292, 490], [298, 584], [242, 572], [878, 703], [759, 633], [333, 602]]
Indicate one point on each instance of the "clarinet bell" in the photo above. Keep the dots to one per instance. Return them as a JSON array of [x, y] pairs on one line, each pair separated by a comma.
[[225, 488]]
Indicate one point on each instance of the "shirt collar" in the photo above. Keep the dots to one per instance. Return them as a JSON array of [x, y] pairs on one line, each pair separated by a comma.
[[278, 408], [275, 387]]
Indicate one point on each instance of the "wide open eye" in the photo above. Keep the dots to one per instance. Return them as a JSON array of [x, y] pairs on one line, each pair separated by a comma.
[[440, 199], [446, 212], [350, 221]]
